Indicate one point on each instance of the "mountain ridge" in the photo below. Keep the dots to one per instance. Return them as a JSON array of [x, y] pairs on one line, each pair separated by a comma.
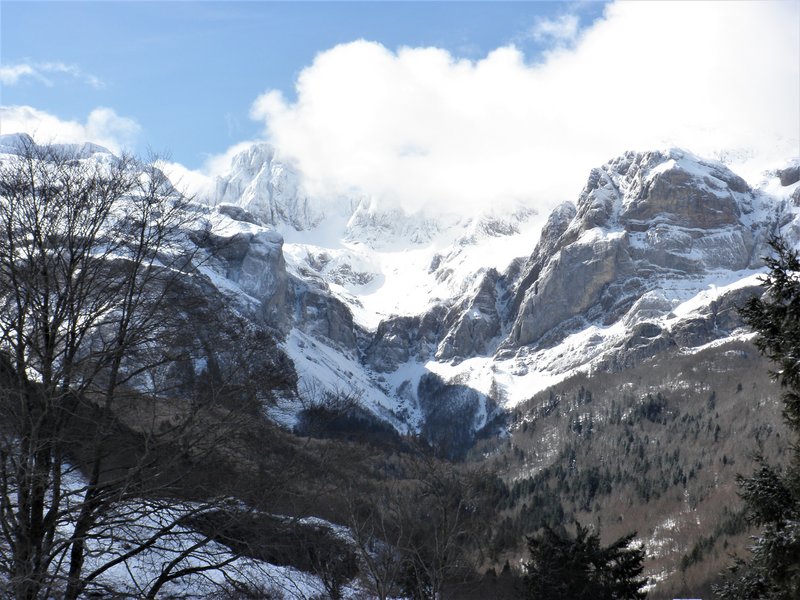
[[484, 302], [649, 232]]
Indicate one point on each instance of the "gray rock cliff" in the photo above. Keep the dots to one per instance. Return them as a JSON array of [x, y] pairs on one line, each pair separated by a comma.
[[641, 218]]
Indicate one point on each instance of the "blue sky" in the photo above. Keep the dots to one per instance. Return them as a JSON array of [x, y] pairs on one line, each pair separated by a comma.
[[418, 104], [188, 72]]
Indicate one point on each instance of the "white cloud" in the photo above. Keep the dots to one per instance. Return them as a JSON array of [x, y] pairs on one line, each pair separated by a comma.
[[422, 129], [102, 126], [10, 75], [192, 183], [44, 72], [560, 30], [217, 164], [105, 127]]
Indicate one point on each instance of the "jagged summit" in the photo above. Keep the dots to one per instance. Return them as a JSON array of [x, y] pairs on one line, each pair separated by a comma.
[[268, 188], [641, 189]]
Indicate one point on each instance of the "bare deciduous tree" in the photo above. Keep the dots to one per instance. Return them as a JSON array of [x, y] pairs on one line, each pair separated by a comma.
[[93, 320]]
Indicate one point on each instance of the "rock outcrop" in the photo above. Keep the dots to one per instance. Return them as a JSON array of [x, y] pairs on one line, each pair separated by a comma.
[[641, 219], [254, 261], [472, 323], [321, 315], [400, 339]]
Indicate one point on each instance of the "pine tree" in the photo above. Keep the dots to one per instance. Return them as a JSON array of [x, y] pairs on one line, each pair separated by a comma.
[[772, 495], [580, 568]]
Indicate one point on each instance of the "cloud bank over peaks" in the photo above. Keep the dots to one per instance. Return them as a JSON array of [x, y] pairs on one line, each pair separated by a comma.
[[421, 129]]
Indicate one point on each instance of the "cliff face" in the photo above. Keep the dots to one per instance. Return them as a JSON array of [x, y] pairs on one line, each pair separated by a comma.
[[642, 220]]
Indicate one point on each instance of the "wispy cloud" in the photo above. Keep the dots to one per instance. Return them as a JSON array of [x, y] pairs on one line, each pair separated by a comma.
[[10, 75], [46, 73], [232, 123], [103, 126], [559, 31]]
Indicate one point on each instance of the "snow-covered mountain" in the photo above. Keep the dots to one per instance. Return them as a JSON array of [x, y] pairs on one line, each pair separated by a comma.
[[426, 315]]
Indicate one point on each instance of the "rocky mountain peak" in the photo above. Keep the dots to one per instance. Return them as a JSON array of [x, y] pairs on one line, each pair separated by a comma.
[[253, 159], [379, 226], [640, 189], [641, 219], [259, 182]]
